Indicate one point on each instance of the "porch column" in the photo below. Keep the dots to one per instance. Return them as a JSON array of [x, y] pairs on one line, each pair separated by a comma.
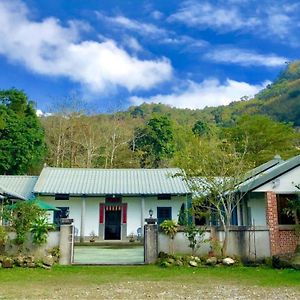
[[82, 224], [142, 214]]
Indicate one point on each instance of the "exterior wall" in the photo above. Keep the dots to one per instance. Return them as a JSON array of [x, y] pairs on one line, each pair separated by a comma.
[[52, 241], [257, 205], [74, 204], [284, 184], [135, 219], [282, 237], [243, 242]]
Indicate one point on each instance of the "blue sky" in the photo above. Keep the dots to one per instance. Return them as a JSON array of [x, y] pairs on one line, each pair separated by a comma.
[[113, 54]]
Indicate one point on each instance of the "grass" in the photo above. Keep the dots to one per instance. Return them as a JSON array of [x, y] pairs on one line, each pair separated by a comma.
[[40, 283], [95, 274]]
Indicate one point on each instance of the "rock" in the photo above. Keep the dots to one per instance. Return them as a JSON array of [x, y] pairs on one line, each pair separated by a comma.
[[171, 261], [178, 263], [211, 261], [48, 260], [19, 260], [228, 261], [7, 262], [31, 265], [192, 263], [46, 267]]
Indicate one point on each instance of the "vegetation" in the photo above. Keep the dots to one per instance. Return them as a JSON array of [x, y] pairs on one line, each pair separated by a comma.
[[22, 146], [213, 169], [155, 142], [195, 235], [169, 227], [39, 229], [91, 282], [22, 216], [149, 135]]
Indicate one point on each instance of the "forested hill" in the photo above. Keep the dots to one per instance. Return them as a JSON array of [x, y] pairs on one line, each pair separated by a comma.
[[279, 100]]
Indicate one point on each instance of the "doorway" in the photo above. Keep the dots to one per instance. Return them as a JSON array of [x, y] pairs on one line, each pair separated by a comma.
[[112, 225]]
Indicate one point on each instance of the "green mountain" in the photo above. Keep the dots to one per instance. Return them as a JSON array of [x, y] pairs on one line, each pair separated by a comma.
[[279, 100]]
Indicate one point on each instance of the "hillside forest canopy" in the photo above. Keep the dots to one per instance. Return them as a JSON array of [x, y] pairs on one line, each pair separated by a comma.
[[149, 135]]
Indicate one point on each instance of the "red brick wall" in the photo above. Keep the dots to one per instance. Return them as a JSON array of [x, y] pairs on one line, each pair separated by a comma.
[[282, 241], [287, 241]]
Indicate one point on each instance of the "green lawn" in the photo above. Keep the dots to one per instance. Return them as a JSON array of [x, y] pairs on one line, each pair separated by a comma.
[[72, 280]]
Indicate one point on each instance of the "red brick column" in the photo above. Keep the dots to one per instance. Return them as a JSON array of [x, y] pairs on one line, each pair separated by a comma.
[[272, 222]]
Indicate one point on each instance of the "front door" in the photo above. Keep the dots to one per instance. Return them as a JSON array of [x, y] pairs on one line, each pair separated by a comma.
[[112, 225]]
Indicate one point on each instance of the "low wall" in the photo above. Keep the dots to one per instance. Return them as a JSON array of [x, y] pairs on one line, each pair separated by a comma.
[[243, 242], [38, 251]]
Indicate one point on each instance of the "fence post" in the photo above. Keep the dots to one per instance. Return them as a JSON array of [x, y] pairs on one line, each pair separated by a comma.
[[66, 243], [150, 241]]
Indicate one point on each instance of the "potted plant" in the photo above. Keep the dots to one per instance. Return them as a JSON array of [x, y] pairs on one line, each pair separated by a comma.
[[92, 237]]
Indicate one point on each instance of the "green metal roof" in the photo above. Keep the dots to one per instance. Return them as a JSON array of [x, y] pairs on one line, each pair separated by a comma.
[[18, 186], [91, 182], [270, 174]]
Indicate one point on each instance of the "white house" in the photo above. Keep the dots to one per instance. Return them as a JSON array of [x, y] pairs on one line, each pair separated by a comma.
[[112, 203]]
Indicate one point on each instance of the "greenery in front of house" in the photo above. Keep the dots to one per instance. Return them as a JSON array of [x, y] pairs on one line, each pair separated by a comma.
[[66, 276]]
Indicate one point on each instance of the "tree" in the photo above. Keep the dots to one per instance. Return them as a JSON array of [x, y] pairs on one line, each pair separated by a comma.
[[22, 216], [200, 128], [214, 170], [22, 146], [155, 141], [264, 138]]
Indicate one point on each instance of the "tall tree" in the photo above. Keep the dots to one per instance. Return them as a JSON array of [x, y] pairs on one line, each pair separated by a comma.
[[262, 138], [214, 169], [154, 141], [22, 146]]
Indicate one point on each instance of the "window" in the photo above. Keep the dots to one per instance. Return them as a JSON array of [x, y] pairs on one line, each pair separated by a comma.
[[164, 197], [164, 213], [59, 214], [62, 196], [282, 205]]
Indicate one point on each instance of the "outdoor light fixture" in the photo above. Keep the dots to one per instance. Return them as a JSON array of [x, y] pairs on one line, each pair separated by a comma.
[[150, 213]]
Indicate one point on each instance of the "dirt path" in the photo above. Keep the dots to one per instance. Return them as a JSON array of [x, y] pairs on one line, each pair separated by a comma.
[[154, 290]]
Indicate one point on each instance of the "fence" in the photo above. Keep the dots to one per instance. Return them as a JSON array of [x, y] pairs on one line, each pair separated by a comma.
[[245, 242]]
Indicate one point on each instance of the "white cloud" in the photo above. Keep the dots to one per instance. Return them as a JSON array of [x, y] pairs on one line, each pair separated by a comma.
[[210, 92], [207, 15], [265, 19], [49, 48], [133, 43], [157, 15], [133, 25], [245, 57]]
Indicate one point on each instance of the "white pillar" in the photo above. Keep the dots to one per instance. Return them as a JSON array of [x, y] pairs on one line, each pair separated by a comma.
[[82, 224], [142, 214]]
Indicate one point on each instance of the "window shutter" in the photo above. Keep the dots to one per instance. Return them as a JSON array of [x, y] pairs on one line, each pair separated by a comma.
[[124, 212], [101, 213]]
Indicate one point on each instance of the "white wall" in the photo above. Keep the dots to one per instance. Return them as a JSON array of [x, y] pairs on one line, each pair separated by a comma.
[[133, 210], [284, 184], [257, 204]]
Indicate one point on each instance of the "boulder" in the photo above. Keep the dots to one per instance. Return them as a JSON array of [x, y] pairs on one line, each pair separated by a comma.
[[19, 260], [193, 263], [178, 263], [211, 261], [48, 260], [228, 261], [7, 262]]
